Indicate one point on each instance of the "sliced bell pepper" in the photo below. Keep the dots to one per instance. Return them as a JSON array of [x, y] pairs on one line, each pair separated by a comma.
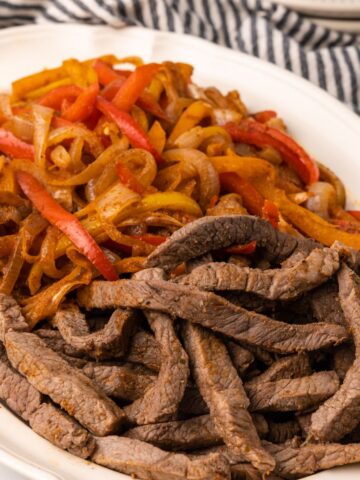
[[213, 201], [261, 135], [128, 178], [271, 213], [252, 199], [66, 222], [55, 98], [14, 147], [246, 249], [264, 116], [128, 127], [104, 72], [151, 239], [355, 214], [134, 86], [83, 105]]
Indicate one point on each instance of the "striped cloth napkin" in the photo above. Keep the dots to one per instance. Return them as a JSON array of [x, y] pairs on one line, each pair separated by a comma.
[[267, 30]]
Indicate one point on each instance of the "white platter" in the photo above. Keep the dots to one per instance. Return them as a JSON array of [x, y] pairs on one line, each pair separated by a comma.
[[324, 126]]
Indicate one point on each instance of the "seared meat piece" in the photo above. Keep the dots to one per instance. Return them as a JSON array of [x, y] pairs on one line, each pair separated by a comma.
[[16, 391], [292, 366], [250, 301], [161, 401], [196, 262], [147, 462], [340, 414], [240, 356], [55, 341], [64, 384], [112, 340], [126, 382], [192, 403], [11, 318], [344, 356], [245, 471], [223, 392], [291, 395], [283, 431], [274, 284], [298, 462], [62, 430], [144, 349], [325, 304], [213, 312], [212, 233]]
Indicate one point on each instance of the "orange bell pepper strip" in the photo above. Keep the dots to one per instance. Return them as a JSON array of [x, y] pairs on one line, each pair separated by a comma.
[[155, 240], [14, 147], [253, 201], [66, 222], [54, 99], [264, 116], [261, 135], [355, 214], [128, 178], [270, 212], [246, 249], [83, 105], [128, 126], [134, 86]]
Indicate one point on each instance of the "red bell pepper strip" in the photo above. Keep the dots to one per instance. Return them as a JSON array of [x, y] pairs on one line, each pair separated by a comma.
[[83, 105], [54, 99], [252, 199], [151, 239], [128, 178], [58, 122], [355, 214], [246, 249], [111, 89], [14, 147], [261, 135], [271, 213], [264, 116], [128, 127], [134, 86], [213, 201], [104, 72], [66, 222]]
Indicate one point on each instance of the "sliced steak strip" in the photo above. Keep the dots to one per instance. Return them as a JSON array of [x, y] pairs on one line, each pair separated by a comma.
[[292, 366], [250, 301], [340, 414], [222, 390], [245, 471], [240, 356], [11, 318], [192, 403], [343, 359], [212, 233], [16, 391], [64, 384], [144, 349], [291, 395], [325, 304], [125, 382], [273, 284], [213, 312], [146, 462], [161, 401], [55, 341], [105, 343], [284, 431], [292, 462], [62, 430]]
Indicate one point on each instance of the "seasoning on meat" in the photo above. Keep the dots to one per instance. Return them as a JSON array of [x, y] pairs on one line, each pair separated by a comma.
[[292, 366], [325, 304], [11, 318], [281, 432], [144, 349], [224, 394], [64, 384], [240, 356]]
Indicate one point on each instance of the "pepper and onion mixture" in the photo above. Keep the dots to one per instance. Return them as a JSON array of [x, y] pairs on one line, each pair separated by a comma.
[[101, 160]]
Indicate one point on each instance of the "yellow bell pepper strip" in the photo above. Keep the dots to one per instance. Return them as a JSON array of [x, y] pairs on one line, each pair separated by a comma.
[[128, 127], [83, 105], [66, 222], [134, 86], [260, 135], [193, 115], [170, 201], [55, 98], [128, 178], [14, 147], [157, 136], [32, 82]]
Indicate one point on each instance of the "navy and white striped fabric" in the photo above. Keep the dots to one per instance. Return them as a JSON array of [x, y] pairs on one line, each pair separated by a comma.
[[258, 27]]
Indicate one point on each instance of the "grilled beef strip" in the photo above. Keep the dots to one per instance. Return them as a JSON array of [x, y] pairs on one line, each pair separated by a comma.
[[212, 233], [105, 343], [240, 356], [146, 462], [292, 366], [344, 356], [281, 432], [325, 304], [192, 403], [194, 433], [273, 284], [340, 414], [144, 349], [291, 395], [297, 462], [245, 471], [11, 318], [213, 312], [125, 382], [62, 430], [250, 301], [56, 342], [222, 390], [64, 384]]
